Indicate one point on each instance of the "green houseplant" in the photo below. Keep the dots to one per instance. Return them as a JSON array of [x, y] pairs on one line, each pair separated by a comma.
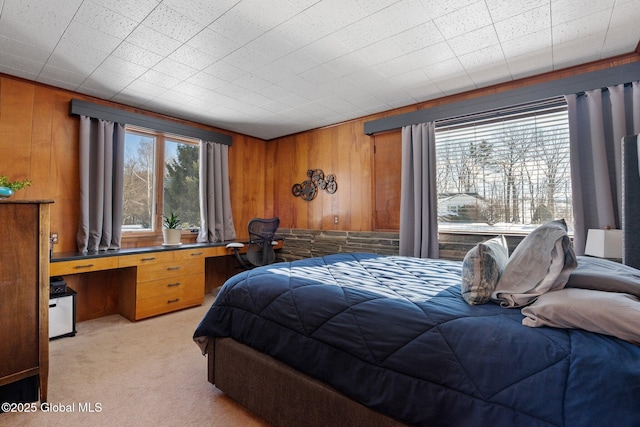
[[171, 234], [7, 188]]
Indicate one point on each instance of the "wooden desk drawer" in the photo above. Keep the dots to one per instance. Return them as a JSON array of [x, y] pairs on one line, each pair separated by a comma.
[[188, 296], [171, 287], [170, 269], [62, 268], [145, 258], [191, 253]]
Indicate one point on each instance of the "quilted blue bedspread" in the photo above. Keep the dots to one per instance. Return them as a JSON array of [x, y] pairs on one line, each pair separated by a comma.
[[395, 334]]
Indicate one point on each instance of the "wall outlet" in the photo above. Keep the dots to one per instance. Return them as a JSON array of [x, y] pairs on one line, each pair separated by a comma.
[[54, 237], [335, 219]]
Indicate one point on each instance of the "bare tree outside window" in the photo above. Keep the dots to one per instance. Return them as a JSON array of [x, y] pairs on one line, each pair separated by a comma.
[[505, 172]]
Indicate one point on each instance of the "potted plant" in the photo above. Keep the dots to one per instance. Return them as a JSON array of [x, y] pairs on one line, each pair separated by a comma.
[[7, 188], [170, 232]]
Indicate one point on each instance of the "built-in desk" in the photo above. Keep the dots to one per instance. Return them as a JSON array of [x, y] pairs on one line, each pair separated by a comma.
[[141, 282]]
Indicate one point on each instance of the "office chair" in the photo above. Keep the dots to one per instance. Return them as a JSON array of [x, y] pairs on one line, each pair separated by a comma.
[[260, 247]]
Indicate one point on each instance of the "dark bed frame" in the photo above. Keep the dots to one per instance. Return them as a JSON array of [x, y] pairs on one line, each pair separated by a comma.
[[280, 394], [284, 396]]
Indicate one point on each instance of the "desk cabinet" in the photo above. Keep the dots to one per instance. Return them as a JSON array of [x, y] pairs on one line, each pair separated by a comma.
[[165, 281], [24, 292]]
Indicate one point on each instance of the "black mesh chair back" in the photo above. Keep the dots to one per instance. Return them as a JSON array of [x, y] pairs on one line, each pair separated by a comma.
[[261, 234], [259, 250]]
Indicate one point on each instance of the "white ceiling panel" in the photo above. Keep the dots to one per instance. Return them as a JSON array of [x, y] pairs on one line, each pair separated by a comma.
[[272, 68]]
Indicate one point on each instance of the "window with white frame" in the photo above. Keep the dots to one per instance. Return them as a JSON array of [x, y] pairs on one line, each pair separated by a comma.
[[161, 176], [505, 170]]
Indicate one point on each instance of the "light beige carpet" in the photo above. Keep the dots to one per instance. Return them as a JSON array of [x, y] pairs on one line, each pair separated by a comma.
[[147, 373]]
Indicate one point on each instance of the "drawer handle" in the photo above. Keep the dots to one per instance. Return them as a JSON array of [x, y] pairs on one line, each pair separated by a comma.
[[148, 259], [171, 301], [53, 305], [172, 285], [196, 253], [173, 268], [84, 266]]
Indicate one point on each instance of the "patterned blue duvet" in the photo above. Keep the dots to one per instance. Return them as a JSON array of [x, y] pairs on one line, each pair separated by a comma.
[[395, 334]]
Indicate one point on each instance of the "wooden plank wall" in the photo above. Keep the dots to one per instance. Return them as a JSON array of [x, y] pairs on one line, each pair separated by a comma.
[[39, 141]]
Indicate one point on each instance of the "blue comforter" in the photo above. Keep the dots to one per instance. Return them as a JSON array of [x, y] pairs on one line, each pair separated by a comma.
[[395, 334]]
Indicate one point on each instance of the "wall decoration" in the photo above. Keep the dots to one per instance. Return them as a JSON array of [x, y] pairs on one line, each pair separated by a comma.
[[308, 189]]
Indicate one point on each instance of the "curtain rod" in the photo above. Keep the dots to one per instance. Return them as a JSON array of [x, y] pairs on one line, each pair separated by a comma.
[[84, 108], [566, 85]]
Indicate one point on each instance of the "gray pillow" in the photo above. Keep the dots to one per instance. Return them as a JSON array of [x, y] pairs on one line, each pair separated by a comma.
[[608, 313], [540, 263], [481, 269], [605, 275]]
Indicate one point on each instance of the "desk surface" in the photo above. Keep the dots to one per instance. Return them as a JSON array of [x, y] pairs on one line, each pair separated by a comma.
[[74, 256]]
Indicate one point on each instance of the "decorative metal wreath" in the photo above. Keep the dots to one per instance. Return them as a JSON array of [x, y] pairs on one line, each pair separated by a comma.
[[308, 189]]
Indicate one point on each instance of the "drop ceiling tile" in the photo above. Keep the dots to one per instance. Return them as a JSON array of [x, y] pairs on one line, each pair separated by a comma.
[[106, 80], [248, 59], [176, 69], [216, 45], [20, 66], [438, 8], [570, 10], [133, 9], [464, 21], [191, 57], [418, 37], [527, 44], [531, 21], [142, 88], [136, 55], [501, 10], [474, 40], [520, 66], [172, 23], [201, 11], [347, 64], [41, 23], [20, 49], [73, 77], [105, 20], [152, 40], [159, 79], [443, 70], [576, 51], [579, 28]]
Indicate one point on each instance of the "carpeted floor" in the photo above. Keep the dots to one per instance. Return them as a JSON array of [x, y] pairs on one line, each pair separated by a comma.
[[147, 373]]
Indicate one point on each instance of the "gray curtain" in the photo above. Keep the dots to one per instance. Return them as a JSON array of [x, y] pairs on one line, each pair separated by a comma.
[[101, 180], [215, 197], [419, 197], [598, 120]]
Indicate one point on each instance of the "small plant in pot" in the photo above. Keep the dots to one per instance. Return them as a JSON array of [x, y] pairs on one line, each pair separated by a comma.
[[170, 232], [7, 188]]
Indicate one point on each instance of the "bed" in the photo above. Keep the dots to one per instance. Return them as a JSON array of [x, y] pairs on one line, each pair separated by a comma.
[[540, 337]]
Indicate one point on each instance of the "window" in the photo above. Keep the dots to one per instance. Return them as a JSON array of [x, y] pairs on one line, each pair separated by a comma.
[[161, 175], [504, 171]]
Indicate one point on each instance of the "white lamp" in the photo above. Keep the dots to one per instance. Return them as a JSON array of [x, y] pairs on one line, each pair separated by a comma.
[[605, 243]]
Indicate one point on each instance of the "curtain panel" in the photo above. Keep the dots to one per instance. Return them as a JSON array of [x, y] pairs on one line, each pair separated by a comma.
[[101, 149], [215, 196], [598, 120], [419, 196]]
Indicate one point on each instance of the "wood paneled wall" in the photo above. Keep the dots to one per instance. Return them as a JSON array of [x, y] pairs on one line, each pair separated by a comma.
[[39, 141], [347, 152]]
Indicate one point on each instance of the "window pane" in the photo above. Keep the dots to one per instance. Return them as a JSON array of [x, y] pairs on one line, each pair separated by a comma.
[[181, 182], [504, 174], [138, 182]]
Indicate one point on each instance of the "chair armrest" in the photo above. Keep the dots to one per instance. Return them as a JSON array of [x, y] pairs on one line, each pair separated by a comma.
[[274, 243], [235, 245]]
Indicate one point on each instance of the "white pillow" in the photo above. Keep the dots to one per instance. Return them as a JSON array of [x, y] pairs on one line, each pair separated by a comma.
[[608, 313], [540, 263]]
